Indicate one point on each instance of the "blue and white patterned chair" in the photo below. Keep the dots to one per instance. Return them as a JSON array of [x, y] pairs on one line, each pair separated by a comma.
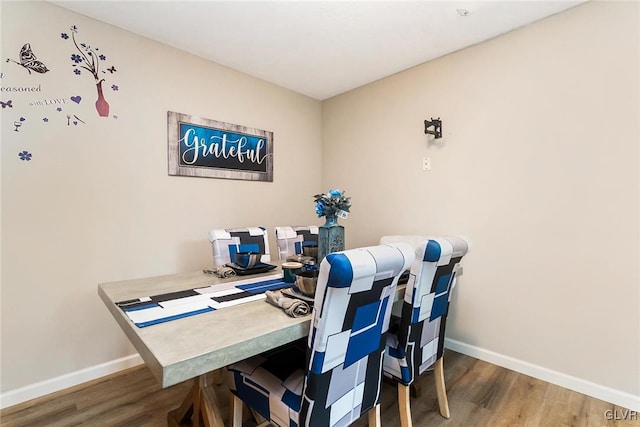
[[227, 242], [418, 343], [337, 378], [290, 240]]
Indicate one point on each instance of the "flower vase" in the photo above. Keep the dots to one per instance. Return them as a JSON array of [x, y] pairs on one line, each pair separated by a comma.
[[330, 237], [102, 106]]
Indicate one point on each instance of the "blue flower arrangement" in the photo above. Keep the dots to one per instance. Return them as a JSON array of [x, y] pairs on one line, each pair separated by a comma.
[[335, 203]]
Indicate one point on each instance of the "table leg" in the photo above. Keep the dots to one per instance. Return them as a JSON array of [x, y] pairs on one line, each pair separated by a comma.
[[219, 375], [199, 405], [185, 410], [210, 408]]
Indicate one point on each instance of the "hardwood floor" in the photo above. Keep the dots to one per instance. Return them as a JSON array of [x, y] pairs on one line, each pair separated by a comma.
[[480, 394]]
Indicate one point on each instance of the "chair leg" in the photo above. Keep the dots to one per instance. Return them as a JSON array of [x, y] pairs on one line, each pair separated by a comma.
[[404, 405], [416, 390], [236, 411], [374, 416], [441, 390]]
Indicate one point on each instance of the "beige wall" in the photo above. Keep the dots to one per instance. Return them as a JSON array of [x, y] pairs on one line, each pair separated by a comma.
[[96, 204], [538, 166]]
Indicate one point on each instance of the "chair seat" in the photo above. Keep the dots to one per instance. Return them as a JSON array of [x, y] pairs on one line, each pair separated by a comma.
[[272, 384]]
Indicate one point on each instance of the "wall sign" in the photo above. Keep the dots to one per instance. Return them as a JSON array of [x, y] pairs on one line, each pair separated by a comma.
[[209, 148]]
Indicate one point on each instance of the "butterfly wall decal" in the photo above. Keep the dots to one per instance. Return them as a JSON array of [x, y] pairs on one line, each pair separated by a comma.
[[6, 104], [29, 61]]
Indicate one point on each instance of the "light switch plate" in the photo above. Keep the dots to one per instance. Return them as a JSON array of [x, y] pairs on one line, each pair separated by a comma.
[[426, 163]]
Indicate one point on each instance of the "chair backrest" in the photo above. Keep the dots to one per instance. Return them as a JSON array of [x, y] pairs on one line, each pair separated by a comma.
[[290, 240], [426, 303], [227, 242], [346, 343]]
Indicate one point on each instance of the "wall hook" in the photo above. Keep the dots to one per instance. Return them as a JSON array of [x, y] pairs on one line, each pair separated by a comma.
[[437, 127]]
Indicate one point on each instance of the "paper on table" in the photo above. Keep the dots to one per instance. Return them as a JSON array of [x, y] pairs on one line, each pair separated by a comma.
[[195, 304]]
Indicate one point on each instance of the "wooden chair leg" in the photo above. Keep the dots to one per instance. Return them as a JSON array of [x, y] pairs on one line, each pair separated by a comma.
[[441, 390], [236, 411], [404, 405], [374, 416], [416, 390]]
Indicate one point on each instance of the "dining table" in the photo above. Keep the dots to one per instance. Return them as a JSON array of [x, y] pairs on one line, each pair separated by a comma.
[[192, 347]]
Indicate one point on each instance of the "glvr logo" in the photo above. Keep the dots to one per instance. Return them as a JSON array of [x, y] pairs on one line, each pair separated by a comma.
[[621, 414]]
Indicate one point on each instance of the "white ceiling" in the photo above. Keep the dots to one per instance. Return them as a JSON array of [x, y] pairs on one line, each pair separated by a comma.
[[319, 48]]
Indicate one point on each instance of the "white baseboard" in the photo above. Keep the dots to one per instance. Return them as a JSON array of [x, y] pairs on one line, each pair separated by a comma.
[[608, 394], [43, 388], [620, 398]]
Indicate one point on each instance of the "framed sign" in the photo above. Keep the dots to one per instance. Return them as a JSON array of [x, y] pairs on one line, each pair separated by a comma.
[[208, 148]]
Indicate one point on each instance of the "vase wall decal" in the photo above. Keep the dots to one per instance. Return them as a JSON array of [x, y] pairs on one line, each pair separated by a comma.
[[102, 106], [330, 237], [87, 59]]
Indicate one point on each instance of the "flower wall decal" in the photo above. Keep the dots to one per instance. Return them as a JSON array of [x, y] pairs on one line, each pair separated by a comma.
[[25, 155], [87, 58]]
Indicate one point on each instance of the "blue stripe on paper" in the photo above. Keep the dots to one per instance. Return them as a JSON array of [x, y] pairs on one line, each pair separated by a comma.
[[177, 316], [261, 287]]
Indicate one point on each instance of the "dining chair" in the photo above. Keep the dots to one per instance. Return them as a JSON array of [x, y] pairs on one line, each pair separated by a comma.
[[418, 342], [336, 377], [227, 242], [290, 240]]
